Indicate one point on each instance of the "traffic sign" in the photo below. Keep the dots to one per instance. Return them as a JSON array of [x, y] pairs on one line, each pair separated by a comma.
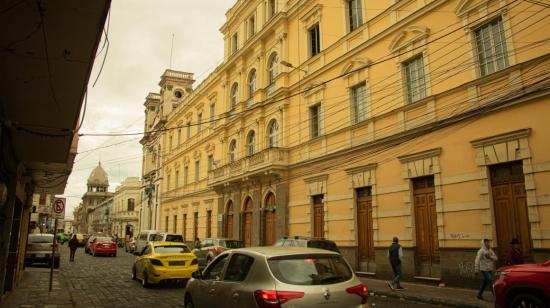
[[59, 208]]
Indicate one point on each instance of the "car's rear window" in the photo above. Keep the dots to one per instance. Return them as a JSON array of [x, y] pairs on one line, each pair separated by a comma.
[[41, 238], [310, 269], [104, 239], [232, 244], [174, 238], [172, 249]]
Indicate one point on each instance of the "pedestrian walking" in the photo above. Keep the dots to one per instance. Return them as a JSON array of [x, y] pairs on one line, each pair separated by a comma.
[[197, 243], [514, 253], [73, 245], [395, 255], [485, 263]]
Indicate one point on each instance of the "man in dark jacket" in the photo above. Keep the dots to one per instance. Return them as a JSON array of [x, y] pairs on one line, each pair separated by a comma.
[[73, 245], [395, 254]]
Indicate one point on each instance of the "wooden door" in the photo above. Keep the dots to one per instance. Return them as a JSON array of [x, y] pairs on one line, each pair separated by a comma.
[[427, 243], [364, 225], [318, 216], [510, 207], [270, 223], [247, 228], [229, 221]]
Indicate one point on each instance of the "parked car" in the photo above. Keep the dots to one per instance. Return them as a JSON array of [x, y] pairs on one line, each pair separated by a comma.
[[39, 250], [131, 245], [212, 247], [103, 245], [274, 276], [144, 237], [312, 242], [523, 285], [89, 241], [82, 239], [168, 237], [164, 261]]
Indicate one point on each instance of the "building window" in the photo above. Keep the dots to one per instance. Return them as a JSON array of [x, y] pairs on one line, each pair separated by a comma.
[[184, 227], [179, 136], [359, 102], [212, 113], [315, 120], [234, 43], [166, 223], [188, 131], [271, 9], [251, 142], [210, 162], [208, 223], [185, 175], [355, 14], [170, 142], [131, 204], [175, 223], [177, 179], [415, 79], [273, 132], [197, 170], [196, 225], [251, 26], [251, 83], [234, 95], [314, 40], [168, 182], [492, 53], [199, 122], [233, 150], [272, 68]]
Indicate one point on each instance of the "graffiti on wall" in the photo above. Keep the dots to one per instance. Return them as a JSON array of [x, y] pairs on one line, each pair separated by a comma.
[[466, 269]]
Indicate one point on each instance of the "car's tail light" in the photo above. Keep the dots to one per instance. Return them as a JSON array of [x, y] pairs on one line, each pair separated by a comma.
[[218, 249], [361, 290], [274, 299], [155, 262], [194, 261]]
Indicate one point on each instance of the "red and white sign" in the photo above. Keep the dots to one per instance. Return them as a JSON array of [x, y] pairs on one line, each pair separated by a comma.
[[58, 207]]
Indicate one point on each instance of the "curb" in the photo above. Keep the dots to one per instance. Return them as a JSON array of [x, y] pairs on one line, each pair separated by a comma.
[[426, 299]]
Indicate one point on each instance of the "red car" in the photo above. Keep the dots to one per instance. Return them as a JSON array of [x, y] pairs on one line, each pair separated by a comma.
[[524, 285], [103, 245]]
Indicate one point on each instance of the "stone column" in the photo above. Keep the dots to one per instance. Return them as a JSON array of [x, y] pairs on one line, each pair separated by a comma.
[[281, 212], [256, 217]]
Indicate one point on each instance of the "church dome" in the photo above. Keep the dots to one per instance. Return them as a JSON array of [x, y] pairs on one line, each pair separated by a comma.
[[98, 177]]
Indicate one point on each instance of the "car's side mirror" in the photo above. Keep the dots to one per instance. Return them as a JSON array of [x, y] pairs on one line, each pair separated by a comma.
[[197, 274]]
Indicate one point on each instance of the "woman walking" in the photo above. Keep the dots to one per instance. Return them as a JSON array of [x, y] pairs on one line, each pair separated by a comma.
[[73, 245], [485, 263]]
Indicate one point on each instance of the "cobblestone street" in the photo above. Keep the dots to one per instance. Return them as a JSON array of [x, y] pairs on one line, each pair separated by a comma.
[[106, 282]]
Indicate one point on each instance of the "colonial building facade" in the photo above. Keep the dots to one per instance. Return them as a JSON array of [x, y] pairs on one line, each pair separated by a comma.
[[361, 120], [125, 214], [97, 192]]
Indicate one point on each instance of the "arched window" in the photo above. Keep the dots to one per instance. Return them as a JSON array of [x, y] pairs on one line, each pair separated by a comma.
[[251, 83], [251, 142], [233, 150], [272, 67], [234, 95], [131, 204], [273, 132]]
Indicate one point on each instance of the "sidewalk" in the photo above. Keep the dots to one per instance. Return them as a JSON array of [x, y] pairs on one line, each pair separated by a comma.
[[445, 296], [32, 291]]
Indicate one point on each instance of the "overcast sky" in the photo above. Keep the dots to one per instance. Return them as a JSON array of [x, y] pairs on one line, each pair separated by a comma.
[[140, 35]]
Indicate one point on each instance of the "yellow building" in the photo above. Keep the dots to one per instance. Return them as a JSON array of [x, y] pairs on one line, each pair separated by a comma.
[[361, 120], [126, 208]]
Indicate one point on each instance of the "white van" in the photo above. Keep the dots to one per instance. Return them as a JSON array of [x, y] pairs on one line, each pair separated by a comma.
[[168, 237], [144, 238]]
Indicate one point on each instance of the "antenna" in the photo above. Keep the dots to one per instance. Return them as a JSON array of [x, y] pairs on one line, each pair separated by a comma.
[[171, 49]]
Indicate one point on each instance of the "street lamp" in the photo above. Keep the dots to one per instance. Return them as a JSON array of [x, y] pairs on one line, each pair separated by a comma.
[[287, 64]]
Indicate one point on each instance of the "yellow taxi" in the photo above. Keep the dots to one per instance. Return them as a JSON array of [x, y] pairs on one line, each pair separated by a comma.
[[164, 261]]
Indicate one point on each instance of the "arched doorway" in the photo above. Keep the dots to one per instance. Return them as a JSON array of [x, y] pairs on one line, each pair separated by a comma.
[[229, 220], [270, 221], [247, 222]]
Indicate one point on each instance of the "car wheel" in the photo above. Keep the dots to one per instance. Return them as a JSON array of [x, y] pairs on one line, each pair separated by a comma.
[[189, 302], [145, 280], [134, 277], [526, 300]]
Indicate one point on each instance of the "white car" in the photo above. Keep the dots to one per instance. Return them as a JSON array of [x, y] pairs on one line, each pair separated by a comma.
[[144, 238]]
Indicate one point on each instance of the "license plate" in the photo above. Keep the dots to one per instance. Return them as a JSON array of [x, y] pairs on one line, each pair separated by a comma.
[[106, 246], [176, 263]]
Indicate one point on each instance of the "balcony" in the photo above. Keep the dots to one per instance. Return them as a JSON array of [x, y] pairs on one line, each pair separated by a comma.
[[272, 160]]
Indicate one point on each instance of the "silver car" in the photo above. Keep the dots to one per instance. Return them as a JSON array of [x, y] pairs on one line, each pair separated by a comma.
[[276, 277], [39, 250]]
